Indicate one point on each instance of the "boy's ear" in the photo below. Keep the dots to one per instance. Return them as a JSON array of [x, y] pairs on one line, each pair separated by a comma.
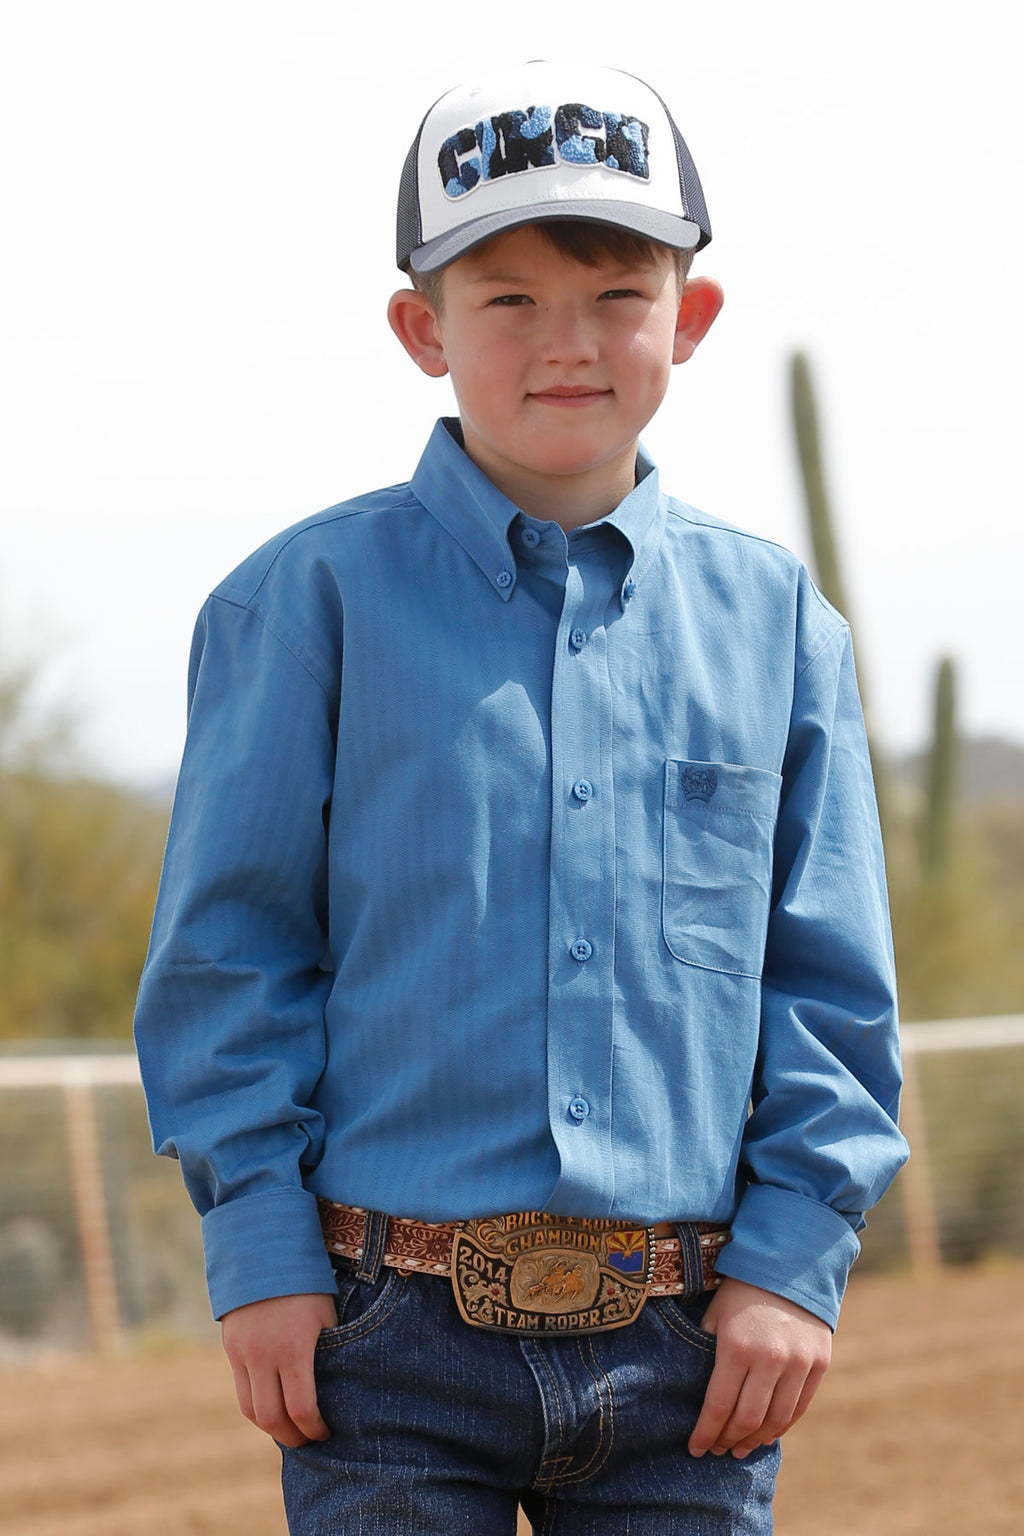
[[702, 299], [411, 317]]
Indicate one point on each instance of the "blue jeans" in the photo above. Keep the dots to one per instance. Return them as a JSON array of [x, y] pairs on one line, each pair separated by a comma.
[[438, 1427]]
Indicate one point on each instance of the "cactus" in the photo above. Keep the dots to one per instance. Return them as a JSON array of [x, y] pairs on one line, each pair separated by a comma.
[[805, 421], [937, 832], [823, 542]]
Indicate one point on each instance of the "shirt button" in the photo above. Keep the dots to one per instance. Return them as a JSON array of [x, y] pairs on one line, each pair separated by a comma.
[[503, 578], [579, 1108], [578, 639], [629, 589], [581, 950], [583, 790], [531, 538]]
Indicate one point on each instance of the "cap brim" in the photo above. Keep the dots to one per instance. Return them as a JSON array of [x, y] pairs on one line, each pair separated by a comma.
[[681, 234]]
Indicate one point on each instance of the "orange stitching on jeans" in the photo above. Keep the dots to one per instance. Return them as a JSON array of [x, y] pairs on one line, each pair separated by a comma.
[[374, 1316], [548, 1460], [588, 1470], [684, 1329], [602, 1451]]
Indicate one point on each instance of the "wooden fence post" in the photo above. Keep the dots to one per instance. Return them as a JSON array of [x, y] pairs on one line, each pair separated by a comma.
[[916, 1179], [93, 1219]]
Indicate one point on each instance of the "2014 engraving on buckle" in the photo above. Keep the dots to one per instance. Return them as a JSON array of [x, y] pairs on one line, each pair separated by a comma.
[[530, 1273]]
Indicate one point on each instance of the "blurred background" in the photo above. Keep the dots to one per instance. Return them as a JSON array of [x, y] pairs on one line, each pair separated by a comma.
[[199, 209]]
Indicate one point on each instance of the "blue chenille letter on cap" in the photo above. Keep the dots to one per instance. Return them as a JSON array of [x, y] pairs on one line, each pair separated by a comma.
[[456, 177], [574, 145], [626, 144], [521, 144]]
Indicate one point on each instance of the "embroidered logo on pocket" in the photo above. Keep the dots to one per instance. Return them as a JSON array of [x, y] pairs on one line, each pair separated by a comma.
[[717, 866], [699, 783]]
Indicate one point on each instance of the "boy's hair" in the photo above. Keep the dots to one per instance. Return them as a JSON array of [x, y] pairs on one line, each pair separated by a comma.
[[580, 241]]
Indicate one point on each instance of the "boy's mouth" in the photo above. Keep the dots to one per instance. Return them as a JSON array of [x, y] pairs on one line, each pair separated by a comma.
[[569, 394]]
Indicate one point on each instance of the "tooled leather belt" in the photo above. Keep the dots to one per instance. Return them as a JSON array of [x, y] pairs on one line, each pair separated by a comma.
[[531, 1273]]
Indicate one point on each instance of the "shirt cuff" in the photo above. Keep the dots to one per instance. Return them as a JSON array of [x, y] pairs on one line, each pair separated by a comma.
[[791, 1245], [262, 1245]]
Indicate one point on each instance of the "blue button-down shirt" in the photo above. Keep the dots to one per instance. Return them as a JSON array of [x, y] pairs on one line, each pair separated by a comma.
[[512, 869]]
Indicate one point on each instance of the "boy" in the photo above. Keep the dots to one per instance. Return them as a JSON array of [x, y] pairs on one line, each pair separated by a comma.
[[520, 1001]]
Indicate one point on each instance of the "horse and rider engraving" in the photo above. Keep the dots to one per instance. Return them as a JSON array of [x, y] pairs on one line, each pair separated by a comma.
[[559, 1283]]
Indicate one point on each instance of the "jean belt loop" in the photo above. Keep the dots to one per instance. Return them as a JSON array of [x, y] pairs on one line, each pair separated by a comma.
[[690, 1253], [374, 1232]]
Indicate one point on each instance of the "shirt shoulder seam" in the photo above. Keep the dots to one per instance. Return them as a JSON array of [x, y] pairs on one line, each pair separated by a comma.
[[260, 615], [841, 629], [338, 514], [688, 514]]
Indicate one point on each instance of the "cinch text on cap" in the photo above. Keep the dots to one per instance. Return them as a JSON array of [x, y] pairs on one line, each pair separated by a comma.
[[527, 140]]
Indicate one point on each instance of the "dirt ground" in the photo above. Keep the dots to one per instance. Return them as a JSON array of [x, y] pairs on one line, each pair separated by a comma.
[[916, 1431]]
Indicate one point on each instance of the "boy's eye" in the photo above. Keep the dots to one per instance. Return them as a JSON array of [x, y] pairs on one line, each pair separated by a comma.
[[620, 293], [508, 299]]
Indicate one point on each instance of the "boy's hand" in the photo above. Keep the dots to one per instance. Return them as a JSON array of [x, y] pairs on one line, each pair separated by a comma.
[[769, 1363], [270, 1346]]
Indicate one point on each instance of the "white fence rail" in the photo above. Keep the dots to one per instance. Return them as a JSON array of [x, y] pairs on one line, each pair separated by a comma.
[[96, 1236], [987, 1033]]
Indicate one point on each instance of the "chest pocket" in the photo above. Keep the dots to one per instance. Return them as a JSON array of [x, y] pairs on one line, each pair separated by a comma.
[[717, 863]]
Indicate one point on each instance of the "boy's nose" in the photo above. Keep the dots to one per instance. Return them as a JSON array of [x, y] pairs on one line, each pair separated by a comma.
[[569, 336]]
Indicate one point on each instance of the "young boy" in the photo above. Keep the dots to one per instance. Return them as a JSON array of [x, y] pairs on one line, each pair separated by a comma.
[[520, 1000]]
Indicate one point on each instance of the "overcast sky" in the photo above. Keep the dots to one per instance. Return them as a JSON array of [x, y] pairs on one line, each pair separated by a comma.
[[198, 206]]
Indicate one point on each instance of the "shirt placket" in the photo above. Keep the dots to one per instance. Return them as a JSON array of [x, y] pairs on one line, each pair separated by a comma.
[[582, 893]]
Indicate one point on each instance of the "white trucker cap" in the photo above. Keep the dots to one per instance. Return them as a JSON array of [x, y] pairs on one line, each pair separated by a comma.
[[546, 141]]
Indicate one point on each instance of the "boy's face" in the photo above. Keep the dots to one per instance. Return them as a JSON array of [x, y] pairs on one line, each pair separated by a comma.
[[557, 367]]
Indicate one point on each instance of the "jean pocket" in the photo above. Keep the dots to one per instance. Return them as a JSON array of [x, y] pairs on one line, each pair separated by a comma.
[[719, 834], [362, 1305], [685, 1318]]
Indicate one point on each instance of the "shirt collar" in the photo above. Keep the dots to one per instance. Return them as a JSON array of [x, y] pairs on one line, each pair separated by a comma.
[[640, 518], [467, 505], [476, 514]]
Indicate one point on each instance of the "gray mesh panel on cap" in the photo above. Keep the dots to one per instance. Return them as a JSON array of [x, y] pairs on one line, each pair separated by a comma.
[[410, 229], [693, 192], [689, 181]]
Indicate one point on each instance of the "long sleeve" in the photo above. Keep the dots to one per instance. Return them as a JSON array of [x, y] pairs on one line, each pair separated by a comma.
[[230, 1019], [821, 1143]]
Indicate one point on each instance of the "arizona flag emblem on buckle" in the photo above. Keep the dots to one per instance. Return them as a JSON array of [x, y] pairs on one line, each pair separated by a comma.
[[529, 1273]]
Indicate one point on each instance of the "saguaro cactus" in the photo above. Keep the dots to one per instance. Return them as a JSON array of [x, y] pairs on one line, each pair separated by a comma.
[[808, 443], [823, 540], [937, 833]]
